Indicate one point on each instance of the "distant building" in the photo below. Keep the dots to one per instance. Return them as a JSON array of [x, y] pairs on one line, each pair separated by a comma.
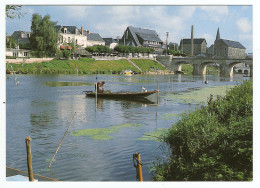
[[80, 37], [110, 42], [173, 46], [68, 34], [17, 52], [228, 48], [94, 39], [199, 46], [139, 37], [21, 37]]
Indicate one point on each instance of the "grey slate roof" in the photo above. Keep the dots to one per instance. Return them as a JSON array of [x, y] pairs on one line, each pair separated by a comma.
[[17, 34], [94, 37], [108, 41], [145, 34], [195, 41], [233, 44], [70, 29]]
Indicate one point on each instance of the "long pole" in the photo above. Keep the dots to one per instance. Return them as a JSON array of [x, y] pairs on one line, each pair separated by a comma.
[[157, 88], [62, 140], [29, 158], [139, 167]]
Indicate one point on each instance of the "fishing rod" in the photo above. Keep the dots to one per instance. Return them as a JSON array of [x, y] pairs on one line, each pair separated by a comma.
[[62, 140]]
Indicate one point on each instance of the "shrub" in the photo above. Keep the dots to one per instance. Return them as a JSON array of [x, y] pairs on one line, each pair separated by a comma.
[[212, 143]]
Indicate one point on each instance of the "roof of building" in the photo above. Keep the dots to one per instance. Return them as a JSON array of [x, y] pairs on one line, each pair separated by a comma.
[[109, 41], [70, 29], [195, 41], [17, 34], [233, 44], [94, 37], [145, 34]]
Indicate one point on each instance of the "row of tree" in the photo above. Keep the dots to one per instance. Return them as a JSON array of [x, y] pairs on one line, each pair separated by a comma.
[[131, 49]]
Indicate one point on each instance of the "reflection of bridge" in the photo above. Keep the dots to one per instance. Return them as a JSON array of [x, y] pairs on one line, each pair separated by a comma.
[[200, 64]]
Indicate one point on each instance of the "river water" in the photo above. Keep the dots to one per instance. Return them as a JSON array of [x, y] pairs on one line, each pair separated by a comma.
[[42, 106]]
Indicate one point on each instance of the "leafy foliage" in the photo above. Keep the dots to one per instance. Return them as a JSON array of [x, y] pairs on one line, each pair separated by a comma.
[[212, 143], [98, 49], [10, 42], [44, 36], [131, 49], [13, 11]]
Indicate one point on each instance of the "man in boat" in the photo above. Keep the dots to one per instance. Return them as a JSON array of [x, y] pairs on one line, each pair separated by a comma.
[[100, 87]]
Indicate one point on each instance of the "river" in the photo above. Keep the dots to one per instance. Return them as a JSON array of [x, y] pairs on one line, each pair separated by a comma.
[[42, 106]]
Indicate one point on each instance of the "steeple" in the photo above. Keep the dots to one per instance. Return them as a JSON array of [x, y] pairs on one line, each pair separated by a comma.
[[218, 35]]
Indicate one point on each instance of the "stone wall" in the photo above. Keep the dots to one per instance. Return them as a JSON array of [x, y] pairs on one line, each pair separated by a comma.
[[30, 60]]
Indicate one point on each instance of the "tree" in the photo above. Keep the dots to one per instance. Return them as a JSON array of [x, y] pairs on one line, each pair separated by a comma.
[[44, 36], [13, 11], [10, 42]]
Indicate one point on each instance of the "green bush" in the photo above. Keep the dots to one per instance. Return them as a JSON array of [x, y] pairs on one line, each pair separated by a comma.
[[212, 143], [66, 54]]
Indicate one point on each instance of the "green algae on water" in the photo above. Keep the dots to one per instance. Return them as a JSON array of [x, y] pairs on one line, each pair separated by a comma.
[[103, 133], [168, 116], [201, 96], [153, 135]]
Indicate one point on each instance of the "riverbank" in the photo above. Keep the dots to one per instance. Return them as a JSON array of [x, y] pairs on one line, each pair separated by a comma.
[[87, 66], [212, 143]]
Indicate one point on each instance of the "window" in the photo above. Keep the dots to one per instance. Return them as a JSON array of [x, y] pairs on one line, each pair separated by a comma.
[[15, 54], [68, 39], [25, 54]]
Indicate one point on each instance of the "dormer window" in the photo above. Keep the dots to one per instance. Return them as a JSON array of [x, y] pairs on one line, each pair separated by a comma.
[[65, 30]]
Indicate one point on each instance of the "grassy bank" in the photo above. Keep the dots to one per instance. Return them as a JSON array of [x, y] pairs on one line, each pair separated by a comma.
[[82, 66], [212, 143], [147, 65]]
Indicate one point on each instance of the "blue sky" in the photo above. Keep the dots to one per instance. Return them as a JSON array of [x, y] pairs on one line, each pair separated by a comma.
[[235, 22]]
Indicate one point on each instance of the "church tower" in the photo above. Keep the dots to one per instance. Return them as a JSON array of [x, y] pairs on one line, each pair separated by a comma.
[[218, 35]]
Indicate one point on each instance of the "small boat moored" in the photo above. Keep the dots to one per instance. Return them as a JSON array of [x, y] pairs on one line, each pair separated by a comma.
[[121, 95]]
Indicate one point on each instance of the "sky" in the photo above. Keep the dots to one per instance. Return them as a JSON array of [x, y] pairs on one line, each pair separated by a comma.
[[235, 22]]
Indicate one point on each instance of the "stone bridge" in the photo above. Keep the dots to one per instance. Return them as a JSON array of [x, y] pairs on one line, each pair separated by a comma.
[[200, 64]]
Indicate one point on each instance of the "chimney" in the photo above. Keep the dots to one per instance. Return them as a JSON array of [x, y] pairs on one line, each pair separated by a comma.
[[88, 31], [28, 35], [82, 30], [191, 43]]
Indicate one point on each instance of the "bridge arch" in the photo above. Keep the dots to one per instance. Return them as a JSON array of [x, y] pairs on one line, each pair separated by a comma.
[[178, 65], [229, 69], [203, 66]]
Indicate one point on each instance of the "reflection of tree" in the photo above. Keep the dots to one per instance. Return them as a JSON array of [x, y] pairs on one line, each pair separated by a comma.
[[41, 121]]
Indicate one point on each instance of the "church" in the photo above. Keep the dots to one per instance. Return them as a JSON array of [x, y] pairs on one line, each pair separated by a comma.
[[227, 48]]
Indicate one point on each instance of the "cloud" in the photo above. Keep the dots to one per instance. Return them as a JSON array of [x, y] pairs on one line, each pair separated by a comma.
[[186, 11], [209, 38], [215, 13], [244, 25], [77, 11]]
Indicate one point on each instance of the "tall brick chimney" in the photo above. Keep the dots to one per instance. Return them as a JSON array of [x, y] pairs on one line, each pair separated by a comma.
[[191, 43], [82, 30]]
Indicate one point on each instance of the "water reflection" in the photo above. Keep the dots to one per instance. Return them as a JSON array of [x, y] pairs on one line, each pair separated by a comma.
[[44, 111], [58, 84]]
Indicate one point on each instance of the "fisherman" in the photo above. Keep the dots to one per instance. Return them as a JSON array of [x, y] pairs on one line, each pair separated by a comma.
[[100, 87]]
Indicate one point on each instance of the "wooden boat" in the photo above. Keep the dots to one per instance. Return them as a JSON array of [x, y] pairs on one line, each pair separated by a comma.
[[121, 95]]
